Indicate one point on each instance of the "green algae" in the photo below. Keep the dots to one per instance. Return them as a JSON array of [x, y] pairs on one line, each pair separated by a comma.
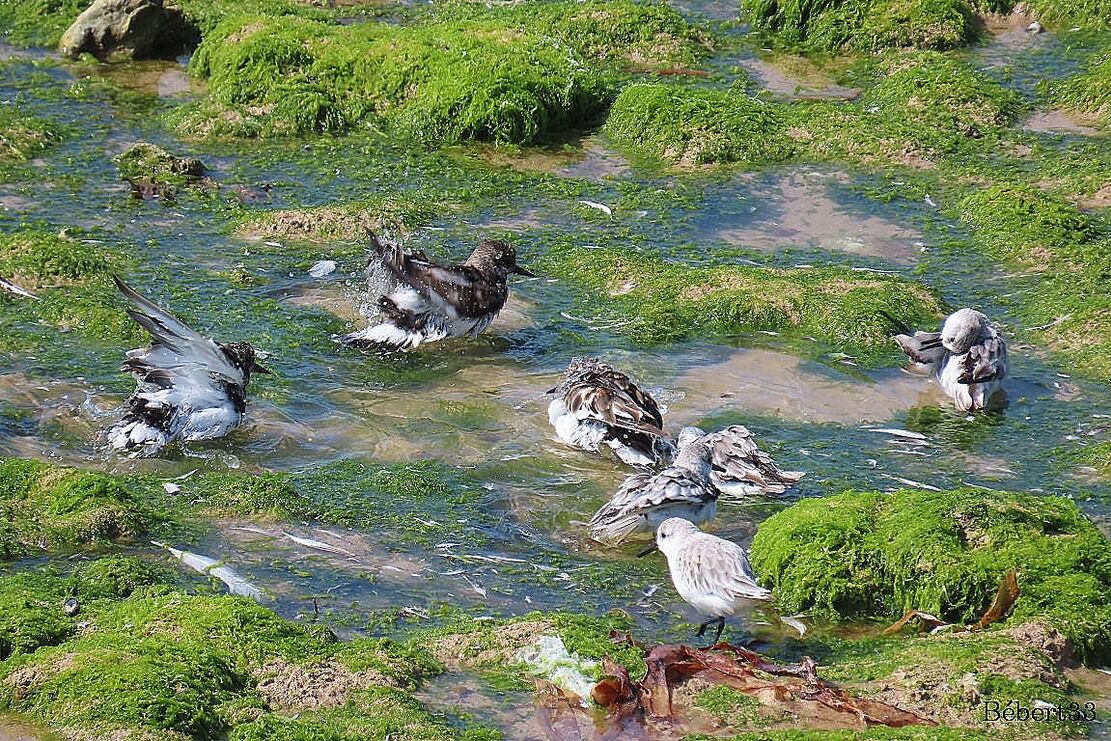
[[37, 22], [1069, 252], [23, 136], [731, 707], [388, 212], [870, 554], [1094, 14], [50, 508], [632, 34], [437, 83], [694, 126], [863, 25], [660, 302], [72, 280], [1088, 92], [42, 258], [161, 661], [149, 163]]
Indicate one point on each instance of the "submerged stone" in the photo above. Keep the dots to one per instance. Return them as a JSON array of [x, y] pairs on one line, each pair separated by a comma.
[[865, 554]]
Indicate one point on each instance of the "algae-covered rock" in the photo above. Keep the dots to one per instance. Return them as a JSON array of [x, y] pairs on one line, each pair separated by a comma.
[[151, 163], [134, 28], [152, 171], [1069, 250], [1089, 92], [395, 212], [437, 82], [39, 258], [166, 664], [862, 554], [864, 25], [47, 507], [659, 301], [691, 126], [23, 136]]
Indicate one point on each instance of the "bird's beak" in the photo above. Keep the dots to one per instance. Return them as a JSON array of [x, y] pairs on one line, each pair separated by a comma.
[[256, 368], [647, 550], [931, 344], [522, 271]]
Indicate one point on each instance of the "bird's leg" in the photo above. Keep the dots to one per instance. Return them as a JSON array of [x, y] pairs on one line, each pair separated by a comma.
[[721, 626], [702, 628]]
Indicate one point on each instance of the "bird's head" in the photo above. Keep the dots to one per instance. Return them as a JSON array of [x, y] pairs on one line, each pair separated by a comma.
[[244, 357], [962, 330], [496, 253], [672, 534]]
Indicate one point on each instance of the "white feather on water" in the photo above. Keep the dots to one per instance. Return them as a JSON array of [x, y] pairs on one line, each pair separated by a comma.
[[319, 545], [209, 566]]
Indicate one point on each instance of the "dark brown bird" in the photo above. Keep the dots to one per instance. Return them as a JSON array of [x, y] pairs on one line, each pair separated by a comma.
[[420, 301], [597, 405]]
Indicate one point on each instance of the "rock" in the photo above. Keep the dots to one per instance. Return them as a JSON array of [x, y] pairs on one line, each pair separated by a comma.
[[133, 28], [155, 173]]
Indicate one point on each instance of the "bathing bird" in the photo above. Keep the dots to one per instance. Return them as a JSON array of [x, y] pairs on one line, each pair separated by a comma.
[[189, 387], [596, 405], [420, 301], [737, 465], [644, 499], [968, 357], [712, 574]]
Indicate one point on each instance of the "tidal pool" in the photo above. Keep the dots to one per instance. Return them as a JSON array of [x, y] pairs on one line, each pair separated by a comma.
[[480, 406]]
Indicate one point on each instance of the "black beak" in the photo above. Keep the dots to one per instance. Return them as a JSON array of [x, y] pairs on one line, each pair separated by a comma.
[[521, 271], [256, 368], [647, 550]]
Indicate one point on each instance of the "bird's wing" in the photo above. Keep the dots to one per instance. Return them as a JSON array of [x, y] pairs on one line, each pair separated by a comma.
[[714, 565], [600, 397], [923, 347], [178, 356], [626, 494], [986, 361], [10, 287], [736, 458]]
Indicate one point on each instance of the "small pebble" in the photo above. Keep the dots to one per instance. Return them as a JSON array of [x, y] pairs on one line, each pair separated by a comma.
[[1034, 27], [71, 606], [322, 268], [171, 489]]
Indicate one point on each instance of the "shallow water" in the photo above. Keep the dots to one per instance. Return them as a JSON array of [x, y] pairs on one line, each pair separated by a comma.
[[481, 405]]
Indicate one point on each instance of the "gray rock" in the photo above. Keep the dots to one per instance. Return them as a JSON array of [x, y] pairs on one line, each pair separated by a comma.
[[133, 28]]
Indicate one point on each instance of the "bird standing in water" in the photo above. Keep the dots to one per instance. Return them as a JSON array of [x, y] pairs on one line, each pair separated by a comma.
[[597, 405], [968, 357], [189, 387], [420, 301], [712, 574]]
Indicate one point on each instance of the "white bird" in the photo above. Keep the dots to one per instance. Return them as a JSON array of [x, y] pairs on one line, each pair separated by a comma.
[[968, 357], [644, 500], [420, 302], [189, 387], [597, 405], [737, 465], [712, 574]]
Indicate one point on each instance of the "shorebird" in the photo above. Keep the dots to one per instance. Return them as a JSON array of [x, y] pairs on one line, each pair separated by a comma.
[[712, 574], [189, 387], [597, 405], [420, 301], [737, 465], [968, 357], [644, 500]]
